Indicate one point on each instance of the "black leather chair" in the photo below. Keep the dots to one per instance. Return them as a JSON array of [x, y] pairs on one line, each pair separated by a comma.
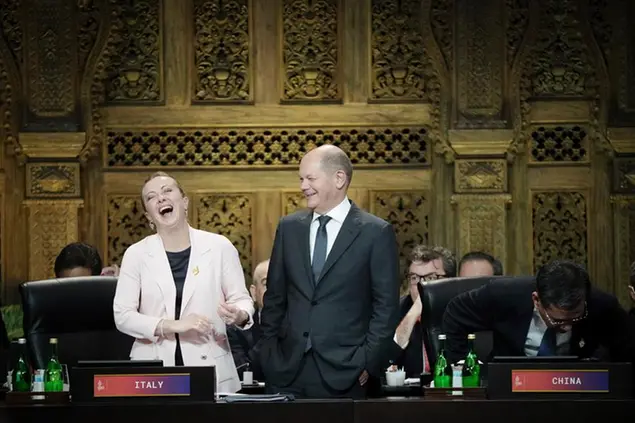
[[77, 311], [435, 297]]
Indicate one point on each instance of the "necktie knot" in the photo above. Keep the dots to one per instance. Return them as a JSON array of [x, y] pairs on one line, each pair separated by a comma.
[[324, 219]]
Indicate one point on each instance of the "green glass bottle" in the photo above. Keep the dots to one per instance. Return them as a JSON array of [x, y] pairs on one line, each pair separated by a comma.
[[442, 368], [53, 380], [21, 376], [471, 374]]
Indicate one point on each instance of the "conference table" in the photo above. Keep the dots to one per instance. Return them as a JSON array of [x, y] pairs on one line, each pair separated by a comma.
[[329, 411]]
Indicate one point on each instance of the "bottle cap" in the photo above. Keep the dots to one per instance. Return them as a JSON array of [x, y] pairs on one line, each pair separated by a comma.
[[21, 341], [471, 336], [441, 337], [53, 341]]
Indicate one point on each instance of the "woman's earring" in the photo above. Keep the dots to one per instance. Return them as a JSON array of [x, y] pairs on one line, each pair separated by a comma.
[[152, 226]]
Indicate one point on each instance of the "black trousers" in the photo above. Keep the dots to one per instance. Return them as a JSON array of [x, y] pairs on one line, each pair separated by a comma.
[[310, 384]]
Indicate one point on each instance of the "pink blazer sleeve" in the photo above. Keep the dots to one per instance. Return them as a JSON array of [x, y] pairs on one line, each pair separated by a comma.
[[126, 303], [233, 283]]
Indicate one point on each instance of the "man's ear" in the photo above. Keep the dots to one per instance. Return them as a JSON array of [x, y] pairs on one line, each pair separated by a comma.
[[340, 179]]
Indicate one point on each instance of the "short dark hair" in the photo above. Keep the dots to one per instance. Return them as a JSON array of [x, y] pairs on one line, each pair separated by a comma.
[[333, 160], [78, 254], [633, 274], [562, 284], [426, 254], [481, 256]]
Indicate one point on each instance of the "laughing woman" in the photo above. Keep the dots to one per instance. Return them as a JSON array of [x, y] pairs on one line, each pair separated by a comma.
[[179, 288]]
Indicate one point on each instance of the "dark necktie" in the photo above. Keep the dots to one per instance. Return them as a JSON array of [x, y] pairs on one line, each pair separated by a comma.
[[548, 345], [319, 251]]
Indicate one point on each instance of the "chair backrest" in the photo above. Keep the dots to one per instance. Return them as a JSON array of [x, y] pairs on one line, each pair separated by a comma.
[[77, 311], [435, 297]]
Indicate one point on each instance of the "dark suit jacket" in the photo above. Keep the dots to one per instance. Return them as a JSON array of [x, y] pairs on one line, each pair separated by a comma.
[[410, 358], [243, 345], [505, 307], [350, 312]]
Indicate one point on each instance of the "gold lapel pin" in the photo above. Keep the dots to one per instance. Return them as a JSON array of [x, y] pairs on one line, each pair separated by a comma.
[[195, 271]]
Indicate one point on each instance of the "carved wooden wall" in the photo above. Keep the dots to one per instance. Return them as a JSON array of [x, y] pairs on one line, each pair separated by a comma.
[[500, 125]]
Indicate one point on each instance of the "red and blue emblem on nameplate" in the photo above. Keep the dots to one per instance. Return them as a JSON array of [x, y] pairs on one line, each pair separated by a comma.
[[560, 380], [153, 385]]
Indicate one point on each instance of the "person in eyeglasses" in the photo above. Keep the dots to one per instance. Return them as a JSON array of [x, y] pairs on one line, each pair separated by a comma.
[[425, 264], [555, 313]]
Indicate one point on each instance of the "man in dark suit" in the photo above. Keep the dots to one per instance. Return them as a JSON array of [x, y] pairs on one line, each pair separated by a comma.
[[243, 342], [555, 313], [426, 264], [332, 290]]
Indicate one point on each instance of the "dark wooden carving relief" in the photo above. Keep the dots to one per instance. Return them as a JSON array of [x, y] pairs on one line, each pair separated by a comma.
[[310, 50], [222, 51], [559, 227], [258, 147], [134, 73], [559, 144]]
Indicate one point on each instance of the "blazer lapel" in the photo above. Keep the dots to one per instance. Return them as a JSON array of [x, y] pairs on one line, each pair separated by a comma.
[[160, 268], [348, 233], [194, 267], [304, 239]]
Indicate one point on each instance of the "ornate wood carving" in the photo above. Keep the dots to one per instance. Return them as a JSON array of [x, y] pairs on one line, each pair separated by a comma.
[[12, 27], [517, 22], [480, 175], [408, 212], [561, 64], [624, 241], [480, 66], [52, 180], [442, 25], [51, 59], [222, 51], [310, 50], [483, 223], [401, 67], [89, 17], [126, 225], [559, 227], [292, 202], [559, 144], [624, 175], [52, 225], [134, 71], [257, 147], [229, 214]]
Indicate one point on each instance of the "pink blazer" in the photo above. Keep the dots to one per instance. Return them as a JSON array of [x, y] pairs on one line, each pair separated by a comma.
[[146, 293]]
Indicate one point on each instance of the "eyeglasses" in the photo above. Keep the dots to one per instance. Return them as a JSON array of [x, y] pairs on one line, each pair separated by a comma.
[[415, 279], [555, 322]]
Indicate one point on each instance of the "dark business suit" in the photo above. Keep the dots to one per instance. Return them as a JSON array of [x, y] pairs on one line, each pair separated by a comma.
[[243, 345], [505, 307], [350, 312], [410, 358]]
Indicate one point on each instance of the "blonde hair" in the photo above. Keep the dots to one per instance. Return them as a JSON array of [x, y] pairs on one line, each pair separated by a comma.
[[158, 175]]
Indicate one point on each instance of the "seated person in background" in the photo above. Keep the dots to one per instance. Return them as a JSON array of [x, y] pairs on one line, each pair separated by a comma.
[[242, 342], [631, 289], [425, 264], [477, 263], [78, 259], [557, 312]]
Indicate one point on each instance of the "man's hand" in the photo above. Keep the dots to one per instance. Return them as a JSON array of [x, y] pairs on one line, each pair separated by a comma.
[[232, 315], [363, 378]]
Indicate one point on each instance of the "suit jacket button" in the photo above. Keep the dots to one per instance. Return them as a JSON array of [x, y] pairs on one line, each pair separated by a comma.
[[203, 357], [305, 334], [313, 303]]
